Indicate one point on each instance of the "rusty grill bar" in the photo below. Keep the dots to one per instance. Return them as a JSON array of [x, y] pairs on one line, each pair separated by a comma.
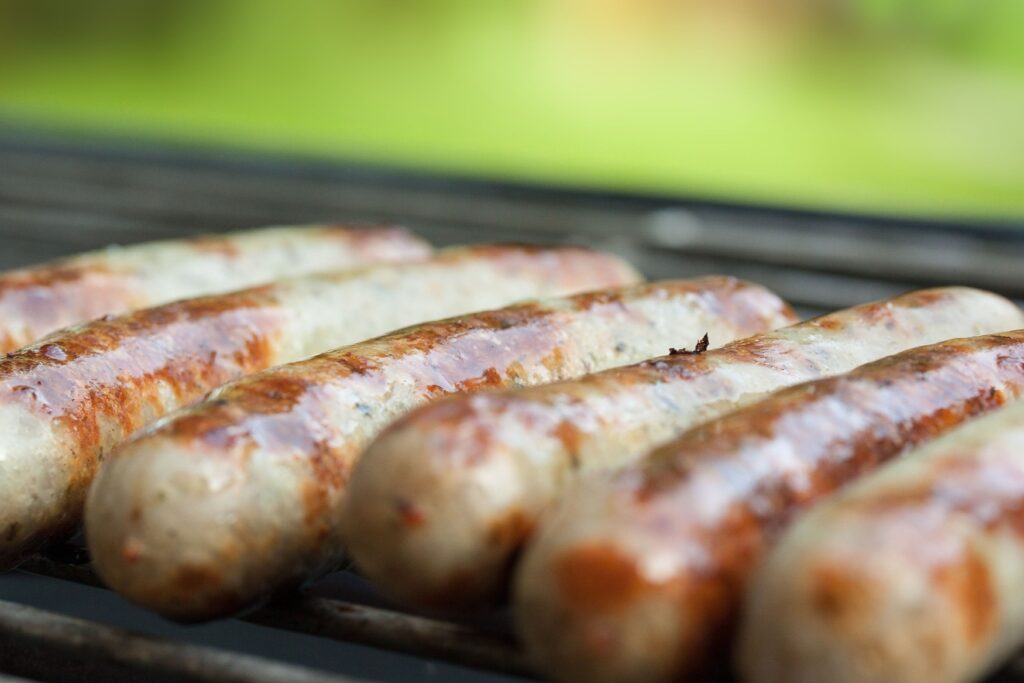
[[58, 197]]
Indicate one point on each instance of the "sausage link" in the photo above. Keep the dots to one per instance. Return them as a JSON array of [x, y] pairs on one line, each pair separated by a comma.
[[243, 494], [480, 469], [640, 574], [38, 300], [71, 397], [913, 575]]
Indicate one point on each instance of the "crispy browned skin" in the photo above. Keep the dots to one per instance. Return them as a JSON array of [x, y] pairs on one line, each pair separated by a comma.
[[284, 411], [121, 357], [709, 504], [37, 300], [114, 374], [287, 438], [487, 349], [66, 401], [282, 408], [479, 470], [912, 575], [49, 297]]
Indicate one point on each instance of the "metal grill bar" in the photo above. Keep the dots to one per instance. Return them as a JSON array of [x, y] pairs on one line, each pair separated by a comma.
[[334, 619], [350, 622], [59, 648]]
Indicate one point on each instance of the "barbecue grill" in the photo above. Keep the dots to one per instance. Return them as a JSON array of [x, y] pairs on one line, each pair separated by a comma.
[[59, 197]]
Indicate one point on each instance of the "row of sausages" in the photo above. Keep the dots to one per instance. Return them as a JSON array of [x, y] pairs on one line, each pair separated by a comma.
[[230, 446]]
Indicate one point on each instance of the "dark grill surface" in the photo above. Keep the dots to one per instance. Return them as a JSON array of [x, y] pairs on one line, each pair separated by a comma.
[[59, 196]]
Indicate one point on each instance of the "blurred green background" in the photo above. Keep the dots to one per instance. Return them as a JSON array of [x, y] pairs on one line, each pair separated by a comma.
[[895, 106]]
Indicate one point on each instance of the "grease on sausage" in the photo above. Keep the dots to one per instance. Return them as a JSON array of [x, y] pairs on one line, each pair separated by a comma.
[[70, 398], [246, 489], [478, 470], [676, 536], [37, 300], [912, 575]]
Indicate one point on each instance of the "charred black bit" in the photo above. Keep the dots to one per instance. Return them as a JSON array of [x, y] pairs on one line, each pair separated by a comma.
[[700, 347]]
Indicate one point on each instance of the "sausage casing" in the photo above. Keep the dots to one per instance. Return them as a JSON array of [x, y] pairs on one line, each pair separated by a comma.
[[914, 574], [481, 468], [68, 399], [243, 493], [640, 573], [37, 300]]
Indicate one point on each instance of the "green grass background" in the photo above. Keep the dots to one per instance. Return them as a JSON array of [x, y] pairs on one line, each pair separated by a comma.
[[901, 107]]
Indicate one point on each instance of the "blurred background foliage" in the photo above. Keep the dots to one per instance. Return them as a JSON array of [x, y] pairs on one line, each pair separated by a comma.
[[899, 106]]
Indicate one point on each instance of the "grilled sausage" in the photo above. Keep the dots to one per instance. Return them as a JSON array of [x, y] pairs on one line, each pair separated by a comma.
[[639, 576], [913, 575], [203, 515], [480, 469], [38, 300], [67, 400]]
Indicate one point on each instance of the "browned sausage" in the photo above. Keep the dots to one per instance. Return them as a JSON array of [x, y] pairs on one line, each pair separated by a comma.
[[480, 469], [38, 300], [915, 574], [244, 493], [638, 576], [70, 398]]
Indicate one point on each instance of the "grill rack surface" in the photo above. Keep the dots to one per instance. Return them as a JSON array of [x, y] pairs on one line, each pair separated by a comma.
[[59, 196], [467, 645]]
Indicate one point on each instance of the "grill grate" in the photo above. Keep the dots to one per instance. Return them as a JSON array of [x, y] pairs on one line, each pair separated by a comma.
[[59, 197], [353, 622]]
